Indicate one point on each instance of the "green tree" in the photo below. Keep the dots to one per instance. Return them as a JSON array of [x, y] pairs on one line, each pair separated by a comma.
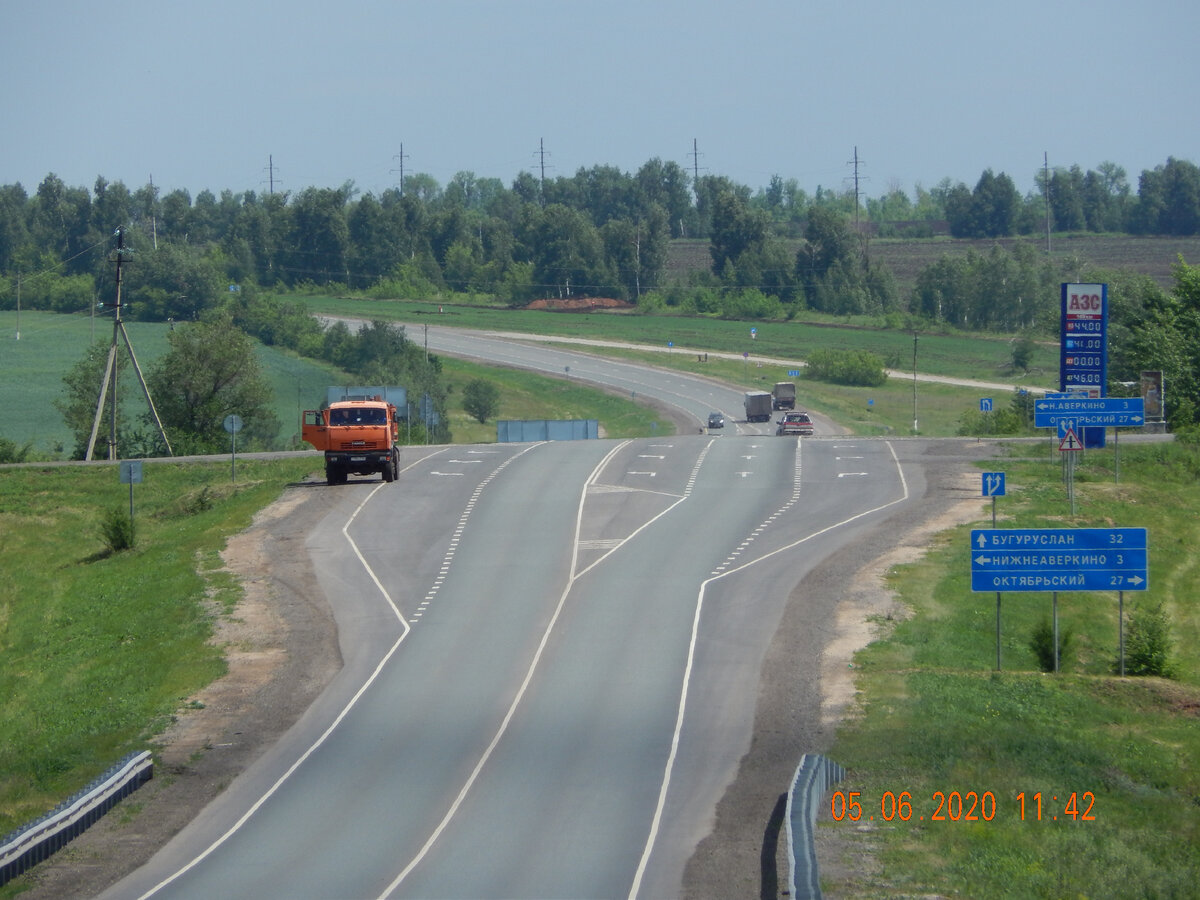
[[666, 184], [211, 372], [567, 252], [176, 281], [320, 236], [81, 391], [481, 399], [737, 229]]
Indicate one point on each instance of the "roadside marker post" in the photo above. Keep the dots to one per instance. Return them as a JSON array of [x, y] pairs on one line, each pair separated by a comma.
[[131, 474]]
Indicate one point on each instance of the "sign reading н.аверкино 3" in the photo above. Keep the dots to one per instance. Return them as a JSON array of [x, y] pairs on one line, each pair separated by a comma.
[[1058, 559]]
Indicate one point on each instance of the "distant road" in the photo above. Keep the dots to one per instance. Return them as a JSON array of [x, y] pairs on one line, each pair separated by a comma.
[[497, 346]]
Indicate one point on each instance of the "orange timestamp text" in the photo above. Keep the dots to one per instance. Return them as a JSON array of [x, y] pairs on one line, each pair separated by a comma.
[[961, 806]]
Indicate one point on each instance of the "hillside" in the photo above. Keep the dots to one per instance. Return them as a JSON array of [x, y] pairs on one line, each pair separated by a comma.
[[1151, 256]]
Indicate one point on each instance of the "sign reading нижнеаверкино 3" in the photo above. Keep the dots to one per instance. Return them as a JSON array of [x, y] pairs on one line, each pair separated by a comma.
[[1059, 559]]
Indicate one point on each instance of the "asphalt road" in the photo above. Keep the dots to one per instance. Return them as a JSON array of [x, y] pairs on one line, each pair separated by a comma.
[[692, 396], [552, 654]]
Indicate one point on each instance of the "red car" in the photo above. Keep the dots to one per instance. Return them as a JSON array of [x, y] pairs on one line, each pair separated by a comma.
[[795, 423]]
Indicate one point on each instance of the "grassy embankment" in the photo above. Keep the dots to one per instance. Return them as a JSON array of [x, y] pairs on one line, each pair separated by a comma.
[[100, 649], [934, 715]]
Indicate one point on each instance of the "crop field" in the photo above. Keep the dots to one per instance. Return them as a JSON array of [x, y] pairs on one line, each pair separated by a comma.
[[1153, 256]]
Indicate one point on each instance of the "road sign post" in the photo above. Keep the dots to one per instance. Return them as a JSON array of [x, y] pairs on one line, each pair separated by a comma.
[[131, 474], [233, 424], [1060, 559]]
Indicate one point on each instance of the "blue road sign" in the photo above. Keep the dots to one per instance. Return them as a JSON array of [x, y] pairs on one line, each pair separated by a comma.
[[792, 373], [993, 484], [985, 404], [1059, 559], [1108, 412]]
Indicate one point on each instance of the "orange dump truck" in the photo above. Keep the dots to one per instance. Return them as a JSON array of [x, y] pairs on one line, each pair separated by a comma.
[[358, 428]]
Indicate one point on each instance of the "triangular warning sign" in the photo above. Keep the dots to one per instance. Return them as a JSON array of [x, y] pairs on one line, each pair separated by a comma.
[[1070, 441]]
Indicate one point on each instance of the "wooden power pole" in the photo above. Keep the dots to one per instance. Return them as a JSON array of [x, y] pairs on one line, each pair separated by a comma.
[[110, 375]]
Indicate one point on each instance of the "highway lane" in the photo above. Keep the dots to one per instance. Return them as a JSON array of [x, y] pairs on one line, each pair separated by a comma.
[[694, 395], [528, 619]]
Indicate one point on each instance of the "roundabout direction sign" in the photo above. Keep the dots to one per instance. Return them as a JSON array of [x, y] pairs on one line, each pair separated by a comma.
[[1059, 559]]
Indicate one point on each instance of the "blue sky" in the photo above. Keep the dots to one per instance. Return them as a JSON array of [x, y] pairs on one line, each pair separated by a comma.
[[202, 94]]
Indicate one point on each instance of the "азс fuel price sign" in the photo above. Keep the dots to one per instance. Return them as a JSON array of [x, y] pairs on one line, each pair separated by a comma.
[[1084, 359]]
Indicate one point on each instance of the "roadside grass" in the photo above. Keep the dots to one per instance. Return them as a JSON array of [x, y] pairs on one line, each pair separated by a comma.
[[528, 395], [100, 649], [985, 357], [934, 715]]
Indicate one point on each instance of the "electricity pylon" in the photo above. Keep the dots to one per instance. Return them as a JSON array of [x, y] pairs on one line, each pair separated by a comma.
[[110, 375]]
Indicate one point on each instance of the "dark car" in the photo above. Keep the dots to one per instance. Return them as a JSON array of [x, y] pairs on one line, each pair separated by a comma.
[[716, 420]]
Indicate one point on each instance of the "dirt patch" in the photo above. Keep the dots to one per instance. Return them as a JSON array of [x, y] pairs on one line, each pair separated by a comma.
[[280, 643], [582, 304]]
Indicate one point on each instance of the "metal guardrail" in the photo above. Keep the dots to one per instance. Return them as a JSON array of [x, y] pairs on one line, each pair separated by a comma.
[[37, 841], [814, 777]]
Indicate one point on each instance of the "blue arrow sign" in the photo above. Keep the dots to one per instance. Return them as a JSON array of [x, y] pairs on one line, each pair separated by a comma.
[[993, 484], [1059, 559], [1116, 412]]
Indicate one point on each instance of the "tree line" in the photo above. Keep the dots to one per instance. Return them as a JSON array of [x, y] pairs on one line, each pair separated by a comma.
[[601, 231]]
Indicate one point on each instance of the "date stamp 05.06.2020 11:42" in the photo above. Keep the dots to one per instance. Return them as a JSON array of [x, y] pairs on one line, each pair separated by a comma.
[[963, 806]]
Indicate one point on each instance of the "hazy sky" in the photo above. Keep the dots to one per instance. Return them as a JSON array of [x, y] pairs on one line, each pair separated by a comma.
[[202, 94]]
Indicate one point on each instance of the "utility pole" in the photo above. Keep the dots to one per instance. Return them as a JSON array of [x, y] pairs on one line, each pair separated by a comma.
[[110, 374], [271, 172], [18, 304], [1046, 191], [153, 217], [915, 426], [695, 168], [400, 156], [855, 162], [542, 161]]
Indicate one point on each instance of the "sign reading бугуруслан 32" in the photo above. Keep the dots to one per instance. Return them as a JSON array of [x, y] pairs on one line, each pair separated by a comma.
[[1059, 559]]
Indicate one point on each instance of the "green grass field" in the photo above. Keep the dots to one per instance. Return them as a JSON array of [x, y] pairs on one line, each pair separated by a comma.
[[934, 715], [31, 371], [100, 649]]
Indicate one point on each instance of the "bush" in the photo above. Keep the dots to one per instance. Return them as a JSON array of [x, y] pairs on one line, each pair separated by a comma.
[[11, 453], [860, 368], [117, 530], [1041, 642], [481, 399], [1148, 643]]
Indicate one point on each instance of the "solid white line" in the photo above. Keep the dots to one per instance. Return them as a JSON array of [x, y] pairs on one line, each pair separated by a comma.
[[512, 709], [406, 629], [687, 672]]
